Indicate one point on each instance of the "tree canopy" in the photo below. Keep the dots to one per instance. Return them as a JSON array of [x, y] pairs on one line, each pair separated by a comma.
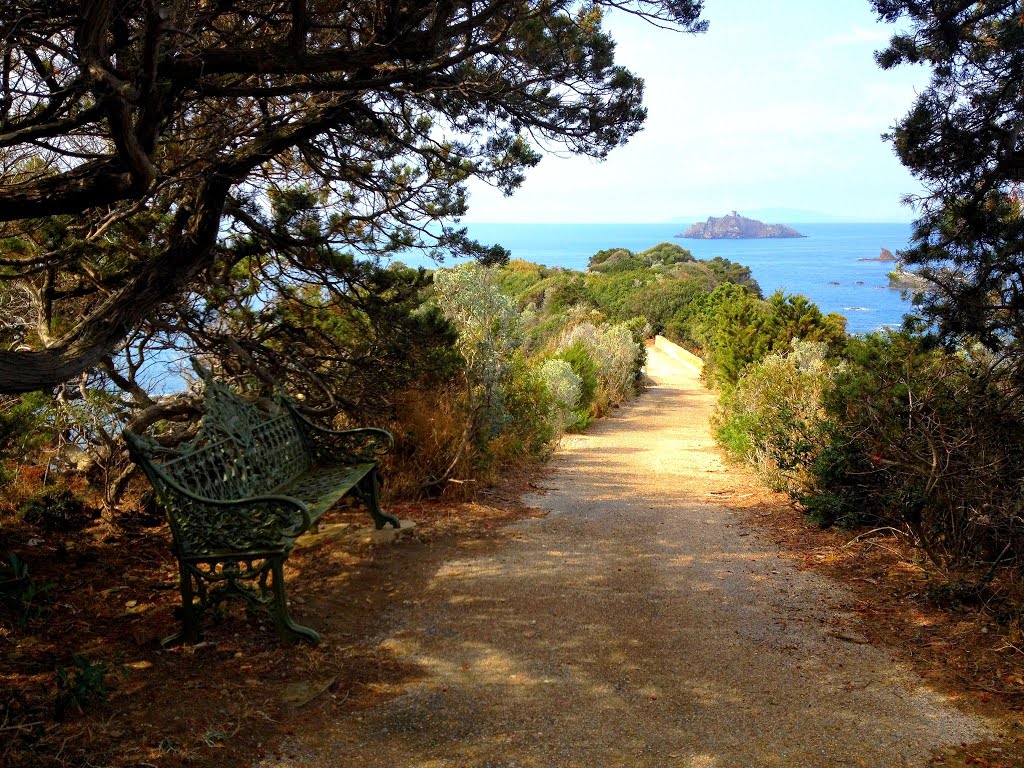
[[964, 139], [150, 151]]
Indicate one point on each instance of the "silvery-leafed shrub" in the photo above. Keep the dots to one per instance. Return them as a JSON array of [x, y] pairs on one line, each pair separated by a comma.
[[564, 386], [488, 330], [613, 349]]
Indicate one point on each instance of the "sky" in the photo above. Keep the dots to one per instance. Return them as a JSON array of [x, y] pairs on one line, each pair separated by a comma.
[[779, 105]]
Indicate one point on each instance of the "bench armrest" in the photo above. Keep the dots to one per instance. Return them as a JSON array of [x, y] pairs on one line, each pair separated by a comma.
[[345, 446]]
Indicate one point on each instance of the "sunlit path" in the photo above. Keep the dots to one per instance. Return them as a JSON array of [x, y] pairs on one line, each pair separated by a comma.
[[639, 624]]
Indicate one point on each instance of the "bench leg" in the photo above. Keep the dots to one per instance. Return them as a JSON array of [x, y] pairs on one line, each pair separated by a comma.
[[369, 492], [189, 632], [287, 629]]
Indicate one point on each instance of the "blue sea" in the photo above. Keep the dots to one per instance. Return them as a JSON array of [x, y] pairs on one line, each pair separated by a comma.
[[823, 266]]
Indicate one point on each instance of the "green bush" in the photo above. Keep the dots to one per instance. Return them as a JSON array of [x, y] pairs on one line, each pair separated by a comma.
[[623, 260], [607, 257], [725, 271], [26, 423], [735, 329], [666, 254], [662, 302], [564, 387], [730, 332], [933, 444], [617, 356], [566, 291], [902, 433], [530, 426], [584, 366], [774, 418]]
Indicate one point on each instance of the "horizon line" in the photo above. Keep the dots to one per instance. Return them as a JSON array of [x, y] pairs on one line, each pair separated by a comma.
[[677, 223]]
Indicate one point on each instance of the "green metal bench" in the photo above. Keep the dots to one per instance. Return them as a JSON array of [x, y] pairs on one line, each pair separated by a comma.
[[239, 494]]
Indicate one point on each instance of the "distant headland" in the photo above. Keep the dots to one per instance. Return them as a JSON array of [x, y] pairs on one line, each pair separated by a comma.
[[736, 227]]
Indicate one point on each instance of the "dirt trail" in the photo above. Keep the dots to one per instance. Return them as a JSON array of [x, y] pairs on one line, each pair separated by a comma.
[[638, 624]]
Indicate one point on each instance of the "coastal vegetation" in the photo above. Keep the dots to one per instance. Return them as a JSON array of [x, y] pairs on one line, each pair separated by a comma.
[[141, 150], [892, 431], [475, 368]]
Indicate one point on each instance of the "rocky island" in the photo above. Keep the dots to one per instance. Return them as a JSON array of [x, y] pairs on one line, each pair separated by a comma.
[[736, 227]]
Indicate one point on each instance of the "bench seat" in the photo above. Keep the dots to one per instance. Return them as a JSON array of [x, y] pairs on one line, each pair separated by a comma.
[[323, 487]]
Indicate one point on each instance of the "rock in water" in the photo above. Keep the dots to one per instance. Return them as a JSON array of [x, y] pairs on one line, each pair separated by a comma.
[[885, 255]]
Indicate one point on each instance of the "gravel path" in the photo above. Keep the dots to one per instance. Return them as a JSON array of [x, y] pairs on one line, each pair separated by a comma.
[[639, 624]]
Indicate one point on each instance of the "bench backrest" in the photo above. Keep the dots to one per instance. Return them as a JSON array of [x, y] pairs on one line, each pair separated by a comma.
[[269, 456], [239, 451]]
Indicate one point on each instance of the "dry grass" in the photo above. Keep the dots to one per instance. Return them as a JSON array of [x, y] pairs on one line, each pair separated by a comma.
[[429, 436]]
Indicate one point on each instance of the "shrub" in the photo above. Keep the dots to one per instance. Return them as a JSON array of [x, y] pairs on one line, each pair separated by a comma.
[[663, 302], [518, 277], [729, 330], [736, 329], [667, 254], [933, 443], [487, 327], [530, 426], [903, 433], [617, 357], [797, 317], [775, 419], [79, 685], [608, 256], [577, 355], [725, 271], [431, 442], [565, 388], [623, 260], [566, 291], [505, 413], [839, 474], [18, 589], [25, 425]]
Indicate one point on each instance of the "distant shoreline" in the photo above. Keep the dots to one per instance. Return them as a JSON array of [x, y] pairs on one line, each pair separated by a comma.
[[799, 265]]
